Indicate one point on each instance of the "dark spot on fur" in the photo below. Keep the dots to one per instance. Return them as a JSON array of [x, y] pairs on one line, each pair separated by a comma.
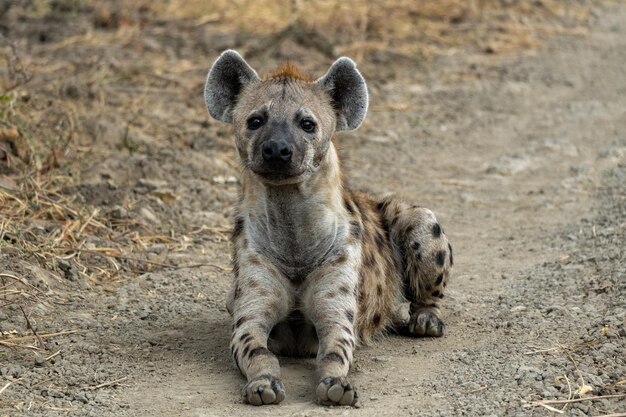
[[344, 342], [238, 227], [408, 232], [436, 293], [436, 230], [416, 246], [348, 205], [355, 229], [243, 336], [235, 353], [345, 352], [451, 259], [382, 205], [379, 241], [376, 320], [441, 258], [340, 259], [248, 339], [246, 349], [370, 259], [259, 351], [346, 329], [439, 279], [235, 263], [445, 284], [379, 290], [237, 291], [408, 291], [254, 260], [350, 315], [334, 357], [441, 295], [241, 321], [344, 289]]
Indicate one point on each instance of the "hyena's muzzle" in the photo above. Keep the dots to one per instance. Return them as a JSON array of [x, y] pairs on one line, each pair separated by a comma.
[[279, 152]]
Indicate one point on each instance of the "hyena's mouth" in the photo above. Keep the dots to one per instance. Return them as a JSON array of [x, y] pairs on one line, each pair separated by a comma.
[[281, 177]]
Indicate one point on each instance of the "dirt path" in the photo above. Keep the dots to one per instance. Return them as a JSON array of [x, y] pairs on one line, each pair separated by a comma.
[[511, 153]]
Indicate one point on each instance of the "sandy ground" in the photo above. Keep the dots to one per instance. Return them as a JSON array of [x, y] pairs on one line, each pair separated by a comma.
[[523, 158]]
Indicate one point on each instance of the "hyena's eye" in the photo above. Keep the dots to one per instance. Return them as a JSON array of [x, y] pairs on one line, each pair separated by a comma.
[[255, 122], [307, 125]]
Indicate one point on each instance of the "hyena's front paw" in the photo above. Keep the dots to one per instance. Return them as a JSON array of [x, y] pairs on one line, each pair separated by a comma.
[[264, 390], [336, 391], [426, 322]]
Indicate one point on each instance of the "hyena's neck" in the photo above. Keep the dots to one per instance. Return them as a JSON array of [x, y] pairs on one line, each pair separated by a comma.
[[296, 225]]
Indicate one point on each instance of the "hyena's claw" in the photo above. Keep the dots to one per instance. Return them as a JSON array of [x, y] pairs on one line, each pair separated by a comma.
[[336, 391], [425, 322], [264, 390]]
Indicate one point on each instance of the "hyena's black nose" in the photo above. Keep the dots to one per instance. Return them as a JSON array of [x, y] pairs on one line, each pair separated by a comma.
[[276, 151]]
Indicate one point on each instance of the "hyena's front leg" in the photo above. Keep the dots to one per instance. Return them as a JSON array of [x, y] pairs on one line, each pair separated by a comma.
[[330, 302], [259, 300], [427, 264]]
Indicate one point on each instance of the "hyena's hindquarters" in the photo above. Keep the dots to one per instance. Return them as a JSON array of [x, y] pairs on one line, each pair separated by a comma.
[[426, 263]]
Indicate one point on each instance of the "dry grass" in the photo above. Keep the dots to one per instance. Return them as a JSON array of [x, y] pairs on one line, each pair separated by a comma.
[[414, 28]]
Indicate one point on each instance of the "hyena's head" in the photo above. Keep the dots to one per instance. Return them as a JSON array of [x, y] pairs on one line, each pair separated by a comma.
[[284, 123]]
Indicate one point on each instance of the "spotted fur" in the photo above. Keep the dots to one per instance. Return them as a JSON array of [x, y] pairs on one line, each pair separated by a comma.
[[319, 269]]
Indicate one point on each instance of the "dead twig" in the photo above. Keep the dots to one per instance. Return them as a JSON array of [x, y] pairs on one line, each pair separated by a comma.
[[148, 262], [7, 385], [564, 347], [43, 336], [15, 345], [107, 384], [556, 410], [21, 281], [52, 356], [42, 345], [577, 400]]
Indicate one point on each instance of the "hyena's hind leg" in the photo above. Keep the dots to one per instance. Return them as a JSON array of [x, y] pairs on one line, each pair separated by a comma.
[[426, 263]]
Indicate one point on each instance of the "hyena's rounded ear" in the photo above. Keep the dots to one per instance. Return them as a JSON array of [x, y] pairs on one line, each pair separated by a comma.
[[346, 86], [228, 75]]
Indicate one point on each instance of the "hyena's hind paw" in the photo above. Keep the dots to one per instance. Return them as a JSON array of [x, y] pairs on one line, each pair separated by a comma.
[[425, 321], [264, 390], [336, 391]]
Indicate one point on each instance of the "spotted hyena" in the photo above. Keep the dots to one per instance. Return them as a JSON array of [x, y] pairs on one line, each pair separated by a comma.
[[319, 269]]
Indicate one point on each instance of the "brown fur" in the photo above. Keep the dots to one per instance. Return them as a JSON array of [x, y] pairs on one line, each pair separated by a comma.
[[291, 71]]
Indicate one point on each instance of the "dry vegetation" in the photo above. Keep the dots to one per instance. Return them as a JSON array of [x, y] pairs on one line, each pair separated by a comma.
[[414, 28], [80, 81]]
